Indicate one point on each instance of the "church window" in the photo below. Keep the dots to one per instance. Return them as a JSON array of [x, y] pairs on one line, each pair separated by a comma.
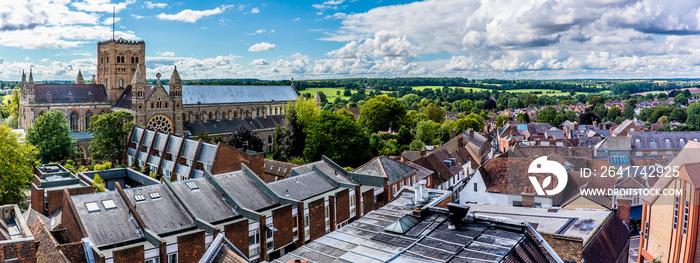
[[121, 83], [152, 105], [210, 116], [166, 104], [107, 60], [137, 60], [160, 123], [159, 104], [132, 60], [74, 121], [88, 115], [234, 114], [269, 139]]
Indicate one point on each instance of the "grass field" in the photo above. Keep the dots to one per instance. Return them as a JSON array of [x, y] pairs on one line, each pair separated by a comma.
[[331, 93]]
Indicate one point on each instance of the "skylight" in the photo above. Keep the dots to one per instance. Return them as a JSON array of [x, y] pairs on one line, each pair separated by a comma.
[[108, 204], [402, 224], [139, 198], [92, 207], [192, 185], [154, 195]]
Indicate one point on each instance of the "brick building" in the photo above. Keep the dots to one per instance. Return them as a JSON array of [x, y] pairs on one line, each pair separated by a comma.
[[17, 243], [669, 227], [46, 190], [263, 221]]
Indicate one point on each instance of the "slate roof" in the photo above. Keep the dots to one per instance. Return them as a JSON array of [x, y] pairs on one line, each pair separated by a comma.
[[382, 166], [244, 190], [206, 153], [614, 144], [152, 210], [70, 93], [429, 240], [421, 172], [688, 155], [229, 126], [643, 140], [302, 187], [106, 227], [125, 99], [205, 201], [236, 94], [327, 166], [277, 168]]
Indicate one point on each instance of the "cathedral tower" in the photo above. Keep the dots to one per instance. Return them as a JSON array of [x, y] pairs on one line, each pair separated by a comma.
[[138, 99], [117, 61]]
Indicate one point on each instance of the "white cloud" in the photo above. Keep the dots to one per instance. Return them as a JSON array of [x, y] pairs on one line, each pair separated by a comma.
[[262, 46], [191, 16], [331, 4], [384, 44], [137, 16], [46, 60], [109, 21], [296, 19], [259, 62], [255, 10], [166, 54], [151, 5], [101, 5]]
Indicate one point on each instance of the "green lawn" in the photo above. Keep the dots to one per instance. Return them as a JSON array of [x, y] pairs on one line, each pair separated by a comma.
[[330, 93]]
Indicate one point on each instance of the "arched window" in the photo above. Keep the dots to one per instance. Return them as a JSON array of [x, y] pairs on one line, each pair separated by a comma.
[[166, 104], [152, 105], [159, 103], [121, 83], [235, 114], [269, 139], [210, 116], [132, 60], [137, 60], [74, 121], [88, 115]]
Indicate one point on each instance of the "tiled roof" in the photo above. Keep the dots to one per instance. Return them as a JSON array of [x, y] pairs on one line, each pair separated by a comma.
[[70, 93], [229, 126], [106, 226], [278, 168], [382, 166], [158, 201], [244, 190], [235, 94], [205, 201], [302, 187]]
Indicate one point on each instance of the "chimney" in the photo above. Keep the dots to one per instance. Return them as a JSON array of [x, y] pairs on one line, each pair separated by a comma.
[[528, 197], [453, 132], [471, 132], [576, 126], [403, 159], [601, 126], [624, 208], [460, 143]]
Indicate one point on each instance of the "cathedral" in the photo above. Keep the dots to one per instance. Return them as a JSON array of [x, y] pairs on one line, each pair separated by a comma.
[[184, 110]]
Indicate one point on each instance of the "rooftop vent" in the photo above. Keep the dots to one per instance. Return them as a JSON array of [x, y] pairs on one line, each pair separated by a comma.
[[457, 213]]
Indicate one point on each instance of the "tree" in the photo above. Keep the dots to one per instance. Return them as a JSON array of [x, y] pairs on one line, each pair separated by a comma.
[[473, 121], [663, 120], [434, 113], [292, 138], [489, 104], [466, 105], [109, 134], [416, 145], [98, 184], [547, 114], [613, 112], [662, 96], [306, 111], [405, 136], [203, 136], [678, 115], [338, 138], [693, 113], [425, 131], [524, 118], [628, 113], [17, 161], [246, 139], [381, 113], [588, 118], [51, 137], [680, 99]]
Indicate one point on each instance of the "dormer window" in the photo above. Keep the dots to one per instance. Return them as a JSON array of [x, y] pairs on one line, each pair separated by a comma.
[[636, 140], [652, 140], [70, 93], [48, 93], [681, 140], [667, 140]]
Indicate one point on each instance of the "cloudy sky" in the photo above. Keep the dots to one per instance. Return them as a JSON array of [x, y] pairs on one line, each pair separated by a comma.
[[536, 39]]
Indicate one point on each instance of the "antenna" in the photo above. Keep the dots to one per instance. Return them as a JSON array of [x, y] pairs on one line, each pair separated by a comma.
[[114, 10]]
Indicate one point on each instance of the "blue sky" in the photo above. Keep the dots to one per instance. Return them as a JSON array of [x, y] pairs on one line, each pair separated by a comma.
[[538, 39]]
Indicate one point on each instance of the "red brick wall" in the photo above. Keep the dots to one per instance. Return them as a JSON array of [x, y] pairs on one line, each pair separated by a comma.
[[37, 199], [55, 200], [73, 251], [24, 251], [237, 233], [368, 201], [317, 219], [228, 159], [283, 221], [342, 206], [331, 213], [71, 222], [129, 255], [358, 201], [190, 248]]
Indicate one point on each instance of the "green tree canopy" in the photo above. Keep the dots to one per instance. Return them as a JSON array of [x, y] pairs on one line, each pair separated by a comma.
[[613, 112], [416, 145], [680, 99], [51, 137], [109, 134], [17, 161], [98, 184], [548, 115], [339, 138], [434, 113], [246, 139], [425, 131], [291, 139], [524, 118], [382, 112], [473, 121], [693, 113]]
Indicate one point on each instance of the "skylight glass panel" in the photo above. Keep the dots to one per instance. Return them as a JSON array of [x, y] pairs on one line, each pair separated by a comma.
[[92, 207], [192, 185], [108, 204], [154, 195], [139, 198]]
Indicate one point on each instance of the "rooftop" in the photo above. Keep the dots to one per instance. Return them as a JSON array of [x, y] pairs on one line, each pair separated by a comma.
[[106, 219], [153, 203], [303, 186], [244, 190], [232, 94], [203, 199]]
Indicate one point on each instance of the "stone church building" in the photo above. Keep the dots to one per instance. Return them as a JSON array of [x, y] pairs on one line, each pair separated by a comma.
[[179, 109]]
